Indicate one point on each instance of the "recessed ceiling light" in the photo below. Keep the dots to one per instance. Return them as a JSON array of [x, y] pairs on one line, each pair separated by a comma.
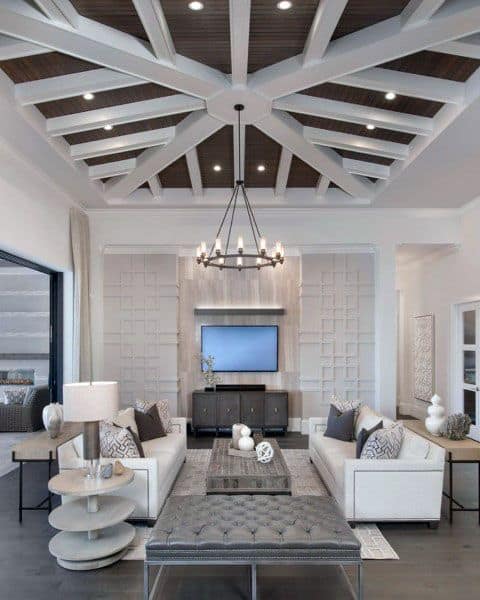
[[390, 95], [217, 168], [195, 5], [370, 127], [284, 5], [108, 127], [88, 96], [261, 168]]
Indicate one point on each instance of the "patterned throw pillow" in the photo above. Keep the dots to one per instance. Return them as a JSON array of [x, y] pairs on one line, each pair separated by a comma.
[[384, 443], [15, 396], [118, 442], [163, 411], [343, 405]]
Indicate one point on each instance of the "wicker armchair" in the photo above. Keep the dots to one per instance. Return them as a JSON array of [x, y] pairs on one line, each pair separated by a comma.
[[26, 416]]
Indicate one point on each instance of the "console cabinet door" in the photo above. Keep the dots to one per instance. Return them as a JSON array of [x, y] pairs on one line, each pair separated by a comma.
[[251, 408], [276, 410], [204, 410], [228, 408]]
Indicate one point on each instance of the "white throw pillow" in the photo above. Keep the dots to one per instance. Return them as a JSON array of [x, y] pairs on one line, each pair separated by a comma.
[[383, 444], [126, 418], [367, 419]]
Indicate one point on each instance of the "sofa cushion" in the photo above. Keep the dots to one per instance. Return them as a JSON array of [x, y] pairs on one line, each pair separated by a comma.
[[343, 405], [414, 446], [126, 418], [384, 444], [162, 408], [340, 425], [367, 419], [363, 437], [333, 454], [118, 442], [172, 443], [149, 425]]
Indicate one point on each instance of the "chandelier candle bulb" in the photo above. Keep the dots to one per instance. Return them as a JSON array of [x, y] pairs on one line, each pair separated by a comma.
[[240, 243], [203, 248], [218, 246], [239, 261], [278, 249], [263, 245]]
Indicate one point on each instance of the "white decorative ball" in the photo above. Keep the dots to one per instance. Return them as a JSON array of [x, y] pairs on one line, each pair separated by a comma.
[[264, 452], [245, 431], [246, 443]]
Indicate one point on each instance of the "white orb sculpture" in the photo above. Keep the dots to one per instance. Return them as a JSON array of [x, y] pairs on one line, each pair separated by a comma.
[[245, 431], [246, 443], [264, 452]]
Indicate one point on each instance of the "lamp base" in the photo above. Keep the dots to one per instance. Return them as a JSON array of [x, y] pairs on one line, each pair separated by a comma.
[[91, 448]]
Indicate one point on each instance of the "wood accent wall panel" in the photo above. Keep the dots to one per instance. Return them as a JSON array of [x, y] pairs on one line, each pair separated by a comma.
[[211, 287], [337, 330], [141, 326]]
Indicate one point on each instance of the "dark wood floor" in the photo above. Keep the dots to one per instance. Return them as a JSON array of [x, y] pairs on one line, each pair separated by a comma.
[[437, 565]]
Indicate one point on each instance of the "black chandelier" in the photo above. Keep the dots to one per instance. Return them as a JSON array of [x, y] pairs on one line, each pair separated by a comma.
[[239, 259]]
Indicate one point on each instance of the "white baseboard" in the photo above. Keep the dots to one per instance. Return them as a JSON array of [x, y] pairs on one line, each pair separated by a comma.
[[305, 427]]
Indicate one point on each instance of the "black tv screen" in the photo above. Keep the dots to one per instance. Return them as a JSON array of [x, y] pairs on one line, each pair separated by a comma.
[[241, 348]]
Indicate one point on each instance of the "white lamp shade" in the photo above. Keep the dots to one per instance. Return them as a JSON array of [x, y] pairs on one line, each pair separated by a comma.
[[90, 401]]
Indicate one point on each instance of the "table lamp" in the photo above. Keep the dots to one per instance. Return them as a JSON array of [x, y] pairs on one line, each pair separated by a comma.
[[89, 403]]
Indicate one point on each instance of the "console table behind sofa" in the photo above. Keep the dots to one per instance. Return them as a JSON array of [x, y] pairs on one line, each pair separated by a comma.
[[258, 409]]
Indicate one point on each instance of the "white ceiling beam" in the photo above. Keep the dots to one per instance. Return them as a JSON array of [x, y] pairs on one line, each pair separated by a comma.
[[155, 186], [238, 174], [355, 143], [97, 43], [406, 84], [368, 47], [322, 185], [76, 84], [194, 172], [324, 23], [468, 47], [61, 11], [124, 113], [122, 143], [239, 38], [366, 169], [283, 171], [153, 20], [112, 169], [419, 11], [355, 113], [11, 48], [188, 133], [288, 132]]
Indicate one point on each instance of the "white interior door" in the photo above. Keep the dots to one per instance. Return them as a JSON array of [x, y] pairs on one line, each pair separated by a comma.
[[469, 363]]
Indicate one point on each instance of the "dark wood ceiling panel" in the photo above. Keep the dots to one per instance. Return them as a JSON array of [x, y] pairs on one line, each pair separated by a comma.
[[260, 150], [176, 175], [42, 66], [100, 160], [435, 64], [381, 160], [301, 174], [77, 104], [403, 104], [217, 149], [354, 129], [364, 13], [202, 35], [278, 34], [119, 14], [138, 126]]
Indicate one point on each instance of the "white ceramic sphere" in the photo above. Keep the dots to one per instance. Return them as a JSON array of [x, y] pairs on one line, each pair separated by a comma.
[[245, 431], [264, 452], [246, 444]]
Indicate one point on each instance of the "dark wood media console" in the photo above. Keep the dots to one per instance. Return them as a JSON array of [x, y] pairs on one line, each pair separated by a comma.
[[260, 410]]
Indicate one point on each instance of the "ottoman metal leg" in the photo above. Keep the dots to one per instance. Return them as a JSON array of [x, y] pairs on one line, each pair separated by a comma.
[[253, 581], [360, 582]]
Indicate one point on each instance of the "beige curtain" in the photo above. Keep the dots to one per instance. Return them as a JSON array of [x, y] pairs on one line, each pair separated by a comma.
[[82, 348]]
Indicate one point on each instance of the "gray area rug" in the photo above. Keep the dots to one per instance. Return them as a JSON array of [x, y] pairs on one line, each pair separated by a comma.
[[305, 482], [7, 440]]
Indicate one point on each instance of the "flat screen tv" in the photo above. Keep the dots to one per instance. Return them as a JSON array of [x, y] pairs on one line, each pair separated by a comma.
[[241, 348]]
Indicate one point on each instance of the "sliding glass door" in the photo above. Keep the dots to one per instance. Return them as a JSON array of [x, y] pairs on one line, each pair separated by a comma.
[[469, 355]]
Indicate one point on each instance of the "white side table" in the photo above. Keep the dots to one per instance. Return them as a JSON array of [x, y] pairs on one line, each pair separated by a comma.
[[93, 533]]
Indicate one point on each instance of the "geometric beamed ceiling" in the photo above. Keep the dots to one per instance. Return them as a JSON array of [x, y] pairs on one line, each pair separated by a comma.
[[165, 79]]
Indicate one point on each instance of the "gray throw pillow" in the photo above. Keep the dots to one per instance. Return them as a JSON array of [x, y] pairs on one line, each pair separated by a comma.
[[149, 424], [364, 435], [384, 443], [118, 442], [340, 425]]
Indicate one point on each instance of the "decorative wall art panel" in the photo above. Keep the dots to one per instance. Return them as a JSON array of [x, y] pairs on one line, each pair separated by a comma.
[[423, 356]]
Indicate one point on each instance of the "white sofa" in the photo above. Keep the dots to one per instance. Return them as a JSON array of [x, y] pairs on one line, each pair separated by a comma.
[[154, 475], [408, 488]]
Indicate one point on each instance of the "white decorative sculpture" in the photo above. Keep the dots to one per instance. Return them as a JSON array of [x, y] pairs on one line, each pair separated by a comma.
[[236, 434], [245, 442], [436, 416], [52, 417], [264, 452]]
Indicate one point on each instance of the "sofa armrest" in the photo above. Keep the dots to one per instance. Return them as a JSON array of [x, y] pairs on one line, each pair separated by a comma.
[[316, 425], [358, 464], [179, 425]]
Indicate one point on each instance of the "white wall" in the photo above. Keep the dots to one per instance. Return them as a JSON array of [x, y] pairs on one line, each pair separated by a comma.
[[303, 231], [432, 286]]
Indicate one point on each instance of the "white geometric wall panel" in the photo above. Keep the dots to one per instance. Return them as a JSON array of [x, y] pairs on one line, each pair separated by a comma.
[[141, 326], [337, 332], [423, 356]]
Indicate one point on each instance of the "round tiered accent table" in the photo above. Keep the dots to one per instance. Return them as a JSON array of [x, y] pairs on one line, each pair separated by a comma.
[[93, 533]]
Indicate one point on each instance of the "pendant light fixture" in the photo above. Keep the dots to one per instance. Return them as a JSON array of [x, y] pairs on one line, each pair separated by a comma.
[[229, 257]]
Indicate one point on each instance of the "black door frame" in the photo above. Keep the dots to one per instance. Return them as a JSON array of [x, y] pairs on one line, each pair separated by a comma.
[[56, 321]]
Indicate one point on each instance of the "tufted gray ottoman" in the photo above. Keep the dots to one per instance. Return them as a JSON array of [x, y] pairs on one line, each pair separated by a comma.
[[250, 530]]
